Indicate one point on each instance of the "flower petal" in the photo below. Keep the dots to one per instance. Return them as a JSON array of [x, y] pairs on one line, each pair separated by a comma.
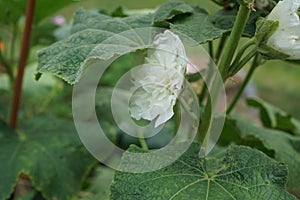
[[159, 81], [287, 36]]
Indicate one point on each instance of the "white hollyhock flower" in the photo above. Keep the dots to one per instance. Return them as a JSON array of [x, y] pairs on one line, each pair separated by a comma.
[[261, 4], [286, 38], [159, 81]]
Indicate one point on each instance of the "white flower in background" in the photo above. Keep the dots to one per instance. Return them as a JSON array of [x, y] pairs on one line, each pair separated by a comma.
[[286, 38], [159, 81], [261, 4]]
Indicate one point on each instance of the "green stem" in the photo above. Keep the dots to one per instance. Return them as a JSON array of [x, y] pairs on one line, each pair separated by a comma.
[[229, 50], [142, 140], [221, 48], [209, 75], [234, 38], [235, 68], [250, 73], [242, 51], [206, 83]]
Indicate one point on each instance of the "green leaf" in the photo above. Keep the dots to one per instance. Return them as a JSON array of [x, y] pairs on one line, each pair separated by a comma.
[[197, 27], [49, 151], [100, 184], [224, 19], [95, 36], [118, 12], [285, 147], [228, 4], [240, 173], [45, 8], [275, 118], [11, 11], [170, 10]]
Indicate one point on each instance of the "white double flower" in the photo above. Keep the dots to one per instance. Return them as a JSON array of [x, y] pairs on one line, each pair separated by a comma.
[[286, 38], [158, 82]]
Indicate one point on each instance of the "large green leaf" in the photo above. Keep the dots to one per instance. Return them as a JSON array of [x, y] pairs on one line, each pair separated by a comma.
[[198, 27], [285, 147], [191, 23], [49, 151], [224, 19], [170, 10], [102, 37], [275, 118], [240, 173], [95, 36]]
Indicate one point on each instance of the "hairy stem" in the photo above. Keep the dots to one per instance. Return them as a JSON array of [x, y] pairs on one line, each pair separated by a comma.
[[234, 38], [229, 51]]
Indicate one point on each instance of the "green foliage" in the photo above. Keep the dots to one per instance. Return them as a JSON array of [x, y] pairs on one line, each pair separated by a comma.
[[45, 8], [49, 152], [99, 188], [284, 147], [240, 173], [170, 10], [224, 19], [197, 27], [275, 118], [11, 11], [91, 29]]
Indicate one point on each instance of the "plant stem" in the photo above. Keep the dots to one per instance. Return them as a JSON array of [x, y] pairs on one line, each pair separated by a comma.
[[209, 74], [220, 48], [142, 140], [242, 51], [234, 38], [229, 50], [250, 73], [204, 89], [22, 62], [235, 68]]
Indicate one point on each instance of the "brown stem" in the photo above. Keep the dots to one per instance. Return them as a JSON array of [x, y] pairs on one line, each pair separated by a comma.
[[22, 62]]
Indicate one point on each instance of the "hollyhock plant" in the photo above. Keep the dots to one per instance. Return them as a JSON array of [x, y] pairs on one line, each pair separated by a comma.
[[159, 81]]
